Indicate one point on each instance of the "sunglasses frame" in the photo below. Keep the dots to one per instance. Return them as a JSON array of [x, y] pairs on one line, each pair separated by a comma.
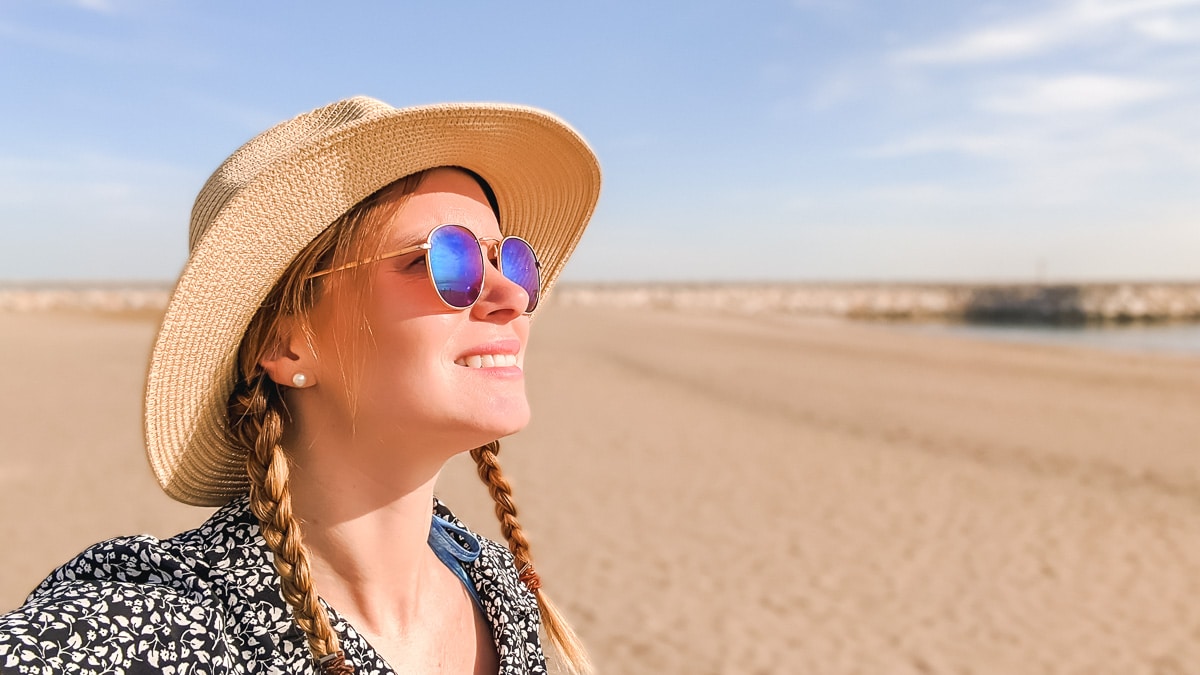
[[494, 247]]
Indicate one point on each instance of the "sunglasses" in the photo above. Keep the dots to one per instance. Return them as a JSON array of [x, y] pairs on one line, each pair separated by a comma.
[[455, 261]]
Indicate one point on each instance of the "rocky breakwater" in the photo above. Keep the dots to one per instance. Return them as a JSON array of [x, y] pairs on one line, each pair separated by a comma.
[[995, 303], [107, 299], [998, 303]]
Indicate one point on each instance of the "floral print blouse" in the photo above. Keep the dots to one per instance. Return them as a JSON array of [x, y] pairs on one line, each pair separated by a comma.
[[208, 601]]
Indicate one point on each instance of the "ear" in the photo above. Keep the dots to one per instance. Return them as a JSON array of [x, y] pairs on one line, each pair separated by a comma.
[[290, 355]]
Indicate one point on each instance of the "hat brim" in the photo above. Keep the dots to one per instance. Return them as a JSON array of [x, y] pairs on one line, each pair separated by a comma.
[[546, 180]]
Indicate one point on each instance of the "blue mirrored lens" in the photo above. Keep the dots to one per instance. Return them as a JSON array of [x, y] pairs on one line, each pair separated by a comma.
[[456, 264], [519, 264]]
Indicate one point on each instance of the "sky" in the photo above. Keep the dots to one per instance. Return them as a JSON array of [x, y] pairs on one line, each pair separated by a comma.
[[802, 140]]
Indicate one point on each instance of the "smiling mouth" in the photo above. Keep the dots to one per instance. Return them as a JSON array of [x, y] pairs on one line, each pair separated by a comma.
[[488, 361]]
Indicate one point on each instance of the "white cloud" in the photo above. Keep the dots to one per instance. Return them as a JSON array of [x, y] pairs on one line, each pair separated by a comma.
[[1074, 94], [1167, 29], [104, 6], [1072, 105], [985, 145], [824, 5], [987, 44], [111, 217], [913, 194], [1114, 10], [1060, 162], [1070, 23], [833, 90]]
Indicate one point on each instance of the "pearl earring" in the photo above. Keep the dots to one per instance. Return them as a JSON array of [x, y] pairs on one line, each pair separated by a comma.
[[300, 380]]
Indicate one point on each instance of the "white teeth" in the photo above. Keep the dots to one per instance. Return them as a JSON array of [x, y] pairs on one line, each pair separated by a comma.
[[488, 361]]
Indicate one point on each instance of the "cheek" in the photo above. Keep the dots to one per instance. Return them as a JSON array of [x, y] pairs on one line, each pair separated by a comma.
[[409, 355], [400, 386], [400, 298]]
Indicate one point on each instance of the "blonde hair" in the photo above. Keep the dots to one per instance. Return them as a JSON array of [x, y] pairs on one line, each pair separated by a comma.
[[257, 417]]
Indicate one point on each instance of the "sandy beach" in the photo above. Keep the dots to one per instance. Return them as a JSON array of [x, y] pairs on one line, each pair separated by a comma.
[[733, 494]]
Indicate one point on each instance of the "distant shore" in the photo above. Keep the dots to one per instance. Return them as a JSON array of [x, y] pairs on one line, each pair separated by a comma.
[[1059, 303], [984, 303], [100, 297]]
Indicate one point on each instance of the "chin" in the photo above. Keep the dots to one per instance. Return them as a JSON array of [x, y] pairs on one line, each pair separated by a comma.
[[511, 424], [472, 414]]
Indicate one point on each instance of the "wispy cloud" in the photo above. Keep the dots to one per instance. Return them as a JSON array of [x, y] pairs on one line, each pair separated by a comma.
[[106, 187], [1168, 29], [913, 194], [990, 145], [103, 6], [1046, 163], [56, 41], [836, 88], [1000, 42], [1072, 23], [824, 5], [1075, 103], [1074, 94], [1157, 140], [111, 216], [98, 46]]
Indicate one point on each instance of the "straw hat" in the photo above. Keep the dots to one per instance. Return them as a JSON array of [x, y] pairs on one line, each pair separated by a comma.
[[266, 202]]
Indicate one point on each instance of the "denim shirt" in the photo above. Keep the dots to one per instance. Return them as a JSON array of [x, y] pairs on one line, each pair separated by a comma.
[[208, 601]]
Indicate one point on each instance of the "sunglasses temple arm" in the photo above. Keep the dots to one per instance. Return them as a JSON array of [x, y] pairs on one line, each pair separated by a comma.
[[383, 256]]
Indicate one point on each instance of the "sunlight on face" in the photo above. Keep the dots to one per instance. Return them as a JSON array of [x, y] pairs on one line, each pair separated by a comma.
[[433, 380]]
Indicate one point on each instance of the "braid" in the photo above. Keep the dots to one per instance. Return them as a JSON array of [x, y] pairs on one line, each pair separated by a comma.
[[506, 511], [256, 409], [256, 425], [560, 632]]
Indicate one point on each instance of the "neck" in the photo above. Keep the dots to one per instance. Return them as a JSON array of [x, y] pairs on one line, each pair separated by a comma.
[[368, 533]]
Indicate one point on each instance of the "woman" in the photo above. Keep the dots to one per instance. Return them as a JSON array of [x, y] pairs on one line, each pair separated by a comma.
[[354, 312]]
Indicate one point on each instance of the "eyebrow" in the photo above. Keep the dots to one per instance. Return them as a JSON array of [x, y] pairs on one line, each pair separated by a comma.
[[405, 242]]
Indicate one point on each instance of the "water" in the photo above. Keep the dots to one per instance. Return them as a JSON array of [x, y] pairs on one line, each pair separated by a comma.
[[1162, 339]]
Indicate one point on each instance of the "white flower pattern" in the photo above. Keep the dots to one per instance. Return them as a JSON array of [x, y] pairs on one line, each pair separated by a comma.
[[208, 601]]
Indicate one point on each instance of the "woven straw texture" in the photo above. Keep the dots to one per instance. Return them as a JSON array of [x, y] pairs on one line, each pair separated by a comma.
[[282, 188]]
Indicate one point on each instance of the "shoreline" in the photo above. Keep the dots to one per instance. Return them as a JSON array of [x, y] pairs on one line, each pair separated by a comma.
[[1064, 304]]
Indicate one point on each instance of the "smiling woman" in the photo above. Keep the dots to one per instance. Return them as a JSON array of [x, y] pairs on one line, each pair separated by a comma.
[[354, 312]]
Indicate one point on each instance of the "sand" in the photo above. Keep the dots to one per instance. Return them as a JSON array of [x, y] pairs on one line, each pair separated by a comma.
[[718, 494]]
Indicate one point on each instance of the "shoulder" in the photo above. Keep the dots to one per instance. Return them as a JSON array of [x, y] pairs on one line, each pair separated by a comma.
[[494, 566], [132, 602], [440, 510], [510, 607], [493, 560], [117, 603]]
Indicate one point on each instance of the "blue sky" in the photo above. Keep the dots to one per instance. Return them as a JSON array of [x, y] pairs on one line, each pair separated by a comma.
[[802, 140]]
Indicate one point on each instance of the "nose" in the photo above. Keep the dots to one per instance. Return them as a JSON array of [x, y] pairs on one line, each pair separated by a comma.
[[502, 299]]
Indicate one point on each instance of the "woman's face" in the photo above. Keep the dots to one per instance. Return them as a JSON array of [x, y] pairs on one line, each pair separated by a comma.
[[431, 377]]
